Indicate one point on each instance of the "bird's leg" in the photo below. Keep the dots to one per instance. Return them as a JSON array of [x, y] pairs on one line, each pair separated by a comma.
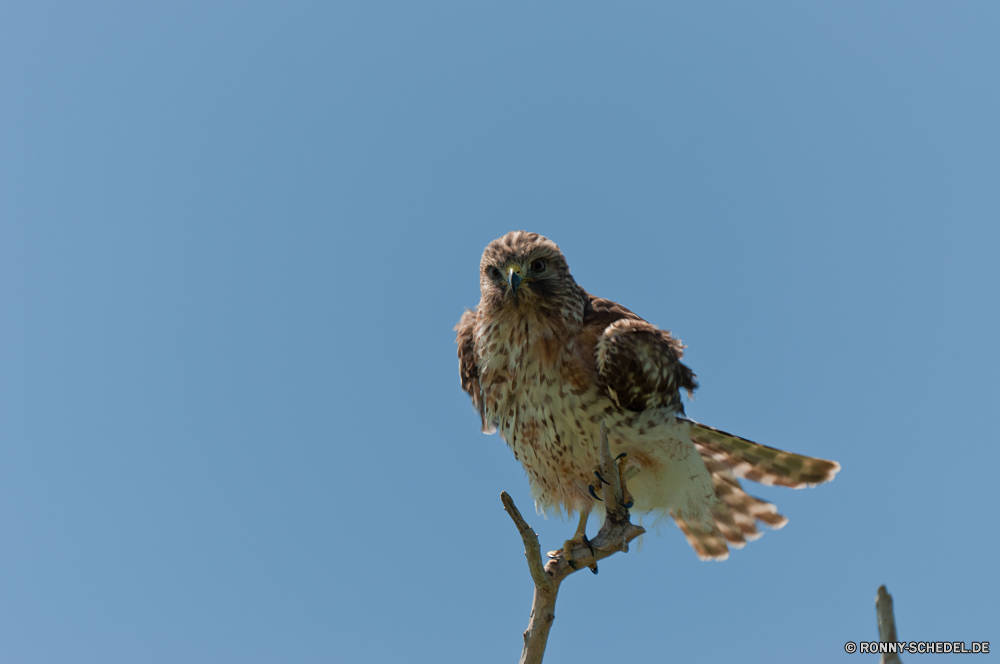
[[627, 500], [580, 537]]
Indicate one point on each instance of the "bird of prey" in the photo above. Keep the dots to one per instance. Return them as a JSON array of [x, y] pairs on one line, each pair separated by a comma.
[[545, 362]]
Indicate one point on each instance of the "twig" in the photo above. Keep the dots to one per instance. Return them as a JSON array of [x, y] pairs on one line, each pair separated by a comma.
[[614, 536], [886, 624], [532, 551]]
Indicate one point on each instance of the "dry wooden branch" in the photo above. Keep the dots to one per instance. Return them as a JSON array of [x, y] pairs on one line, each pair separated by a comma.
[[614, 536], [886, 624]]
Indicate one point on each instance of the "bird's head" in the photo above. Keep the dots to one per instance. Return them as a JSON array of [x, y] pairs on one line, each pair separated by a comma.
[[526, 272]]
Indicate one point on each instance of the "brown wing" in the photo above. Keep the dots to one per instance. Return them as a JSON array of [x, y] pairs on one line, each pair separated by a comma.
[[468, 370], [639, 364], [600, 312]]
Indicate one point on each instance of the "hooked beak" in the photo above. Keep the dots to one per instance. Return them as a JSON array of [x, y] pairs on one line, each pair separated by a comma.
[[514, 278]]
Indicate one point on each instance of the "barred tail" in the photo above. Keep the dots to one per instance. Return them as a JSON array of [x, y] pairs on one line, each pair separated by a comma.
[[735, 515], [761, 463]]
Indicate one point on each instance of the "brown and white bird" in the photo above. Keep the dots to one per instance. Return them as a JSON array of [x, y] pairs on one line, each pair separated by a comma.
[[545, 362]]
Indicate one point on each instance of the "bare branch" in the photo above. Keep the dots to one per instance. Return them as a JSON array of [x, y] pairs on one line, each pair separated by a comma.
[[532, 550], [886, 624], [614, 536]]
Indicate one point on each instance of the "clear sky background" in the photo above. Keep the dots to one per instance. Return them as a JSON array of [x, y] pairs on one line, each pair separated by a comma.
[[234, 239]]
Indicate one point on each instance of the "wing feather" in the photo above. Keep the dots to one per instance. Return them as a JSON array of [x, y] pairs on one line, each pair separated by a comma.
[[467, 368], [639, 364]]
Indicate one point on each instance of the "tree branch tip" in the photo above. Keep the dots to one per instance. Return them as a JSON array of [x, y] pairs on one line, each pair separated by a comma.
[[886, 623], [513, 512]]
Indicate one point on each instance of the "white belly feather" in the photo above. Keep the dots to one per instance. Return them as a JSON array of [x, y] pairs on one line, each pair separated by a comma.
[[555, 434]]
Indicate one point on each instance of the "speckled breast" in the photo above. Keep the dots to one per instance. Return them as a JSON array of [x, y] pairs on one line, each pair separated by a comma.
[[550, 417]]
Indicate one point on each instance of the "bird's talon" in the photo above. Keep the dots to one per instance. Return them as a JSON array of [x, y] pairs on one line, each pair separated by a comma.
[[621, 456], [627, 505], [600, 477], [594, 568], [594, 494], [569, 561]]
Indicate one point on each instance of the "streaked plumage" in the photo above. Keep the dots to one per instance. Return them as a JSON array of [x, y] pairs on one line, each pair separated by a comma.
[[544, 362]]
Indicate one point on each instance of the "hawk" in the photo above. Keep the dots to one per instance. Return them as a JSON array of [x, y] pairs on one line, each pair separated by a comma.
[[545, 362]]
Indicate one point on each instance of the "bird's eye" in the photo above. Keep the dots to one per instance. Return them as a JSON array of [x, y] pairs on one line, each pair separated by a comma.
[[494, 272], [538, 265]]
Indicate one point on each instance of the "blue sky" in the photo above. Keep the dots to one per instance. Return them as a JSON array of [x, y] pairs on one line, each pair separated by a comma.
[[234, 239]]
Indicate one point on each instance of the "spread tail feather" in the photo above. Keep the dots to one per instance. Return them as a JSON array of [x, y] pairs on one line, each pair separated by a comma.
[[736, 514], [761, 463], [705, 538]]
